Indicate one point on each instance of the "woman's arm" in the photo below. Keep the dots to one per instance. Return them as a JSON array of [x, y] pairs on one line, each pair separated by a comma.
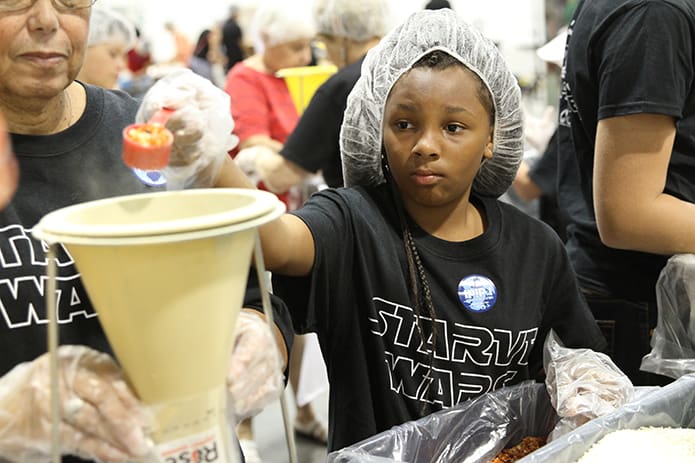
[[632, 210]]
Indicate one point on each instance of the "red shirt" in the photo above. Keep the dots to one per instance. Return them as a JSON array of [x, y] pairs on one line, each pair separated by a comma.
[[261, 104]]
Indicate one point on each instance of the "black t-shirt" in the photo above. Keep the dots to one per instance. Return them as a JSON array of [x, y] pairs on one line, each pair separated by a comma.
[[80, 164], [630, 57], [495, 296], [314, 143]]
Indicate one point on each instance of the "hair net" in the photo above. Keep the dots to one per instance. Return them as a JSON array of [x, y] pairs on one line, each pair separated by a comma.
[[279, 21], [421, 33], [107, 26], [357, 20]]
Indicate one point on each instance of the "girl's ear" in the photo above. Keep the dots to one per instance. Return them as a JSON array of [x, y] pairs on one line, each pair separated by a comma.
[[488, 150]]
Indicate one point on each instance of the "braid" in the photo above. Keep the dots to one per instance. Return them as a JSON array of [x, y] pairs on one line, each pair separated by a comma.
[[417, 279]]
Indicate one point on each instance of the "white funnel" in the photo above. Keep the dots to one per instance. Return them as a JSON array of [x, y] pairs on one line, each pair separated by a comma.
[[166, 273]]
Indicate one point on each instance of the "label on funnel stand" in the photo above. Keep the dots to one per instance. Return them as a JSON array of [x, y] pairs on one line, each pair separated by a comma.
[[206, 447]]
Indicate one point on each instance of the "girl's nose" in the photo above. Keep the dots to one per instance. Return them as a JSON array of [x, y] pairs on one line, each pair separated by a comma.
[[427, 144]]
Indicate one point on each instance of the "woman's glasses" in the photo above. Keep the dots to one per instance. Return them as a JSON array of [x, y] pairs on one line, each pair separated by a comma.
[[63, 5]]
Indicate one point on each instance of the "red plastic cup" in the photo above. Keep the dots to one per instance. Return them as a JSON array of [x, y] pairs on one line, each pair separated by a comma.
[[148, 146]]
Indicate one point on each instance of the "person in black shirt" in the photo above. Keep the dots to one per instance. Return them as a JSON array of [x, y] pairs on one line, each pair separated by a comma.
[[67, 141], [232, 38], [626, 157]]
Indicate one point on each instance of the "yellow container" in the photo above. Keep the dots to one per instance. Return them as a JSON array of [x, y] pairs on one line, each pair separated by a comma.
[[166, 272], [304, 81]]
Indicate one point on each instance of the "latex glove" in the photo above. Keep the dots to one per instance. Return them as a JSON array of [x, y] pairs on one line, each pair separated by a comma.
[[262, 163], [246, 160], [582, 384], [202, 125], [255, 376], [101, 418]]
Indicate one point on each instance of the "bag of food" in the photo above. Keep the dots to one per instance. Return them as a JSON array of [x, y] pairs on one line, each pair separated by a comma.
[[670, 406], [471, 432]]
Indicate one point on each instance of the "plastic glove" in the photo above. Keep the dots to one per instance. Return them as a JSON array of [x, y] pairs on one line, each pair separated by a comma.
[[255, 376], [246, 160], [202, 126], [262, 163], [101, 418], [583, 384]]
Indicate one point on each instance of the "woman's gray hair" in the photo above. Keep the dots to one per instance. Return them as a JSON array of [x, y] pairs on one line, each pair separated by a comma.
[[357, 20], [422, 33]]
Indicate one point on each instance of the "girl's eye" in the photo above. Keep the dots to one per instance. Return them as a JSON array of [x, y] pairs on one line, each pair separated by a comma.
[[403, 125], [453, 128]]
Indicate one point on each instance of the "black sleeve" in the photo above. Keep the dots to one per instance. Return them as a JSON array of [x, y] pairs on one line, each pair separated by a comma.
[[281, 315], [313, 144]]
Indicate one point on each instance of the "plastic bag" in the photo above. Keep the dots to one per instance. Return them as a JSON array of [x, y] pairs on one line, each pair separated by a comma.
[[673, 342], [668, 406], [583, 384], [472, 432]]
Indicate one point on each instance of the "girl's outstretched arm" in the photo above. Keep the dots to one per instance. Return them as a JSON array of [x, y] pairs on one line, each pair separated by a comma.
[[288, 245]]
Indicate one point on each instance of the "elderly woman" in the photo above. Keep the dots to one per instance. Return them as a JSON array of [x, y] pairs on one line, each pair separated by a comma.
[[110, 38], [67, 138], [348, 28], [262, 106]]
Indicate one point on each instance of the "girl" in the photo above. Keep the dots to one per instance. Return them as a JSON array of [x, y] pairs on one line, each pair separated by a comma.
[[423, 288]]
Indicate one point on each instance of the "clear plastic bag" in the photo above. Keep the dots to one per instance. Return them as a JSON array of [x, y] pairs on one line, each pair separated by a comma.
[[472, 432], [668, 406], [673, 342], [582, 384]]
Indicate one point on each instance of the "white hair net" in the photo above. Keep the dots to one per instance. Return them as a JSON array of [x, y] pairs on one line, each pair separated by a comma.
[[357, 20], [280, 21], [421, 33], [106, 26]]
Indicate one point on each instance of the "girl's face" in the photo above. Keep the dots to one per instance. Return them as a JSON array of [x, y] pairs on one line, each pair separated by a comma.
[[103, 63], [436, 134]]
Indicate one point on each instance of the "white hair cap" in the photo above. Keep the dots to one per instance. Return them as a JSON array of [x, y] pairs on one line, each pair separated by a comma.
[[357, 20], [106, 26], [281, 21], [421, 33]]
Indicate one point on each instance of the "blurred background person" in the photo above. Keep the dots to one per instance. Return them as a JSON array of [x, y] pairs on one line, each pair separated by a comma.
[[262, 107], [111, 37], [437, 4], [136, 80], [183, 48], [264, 115], [348, 29], [232, 37], [208, 58], [536, 179]]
